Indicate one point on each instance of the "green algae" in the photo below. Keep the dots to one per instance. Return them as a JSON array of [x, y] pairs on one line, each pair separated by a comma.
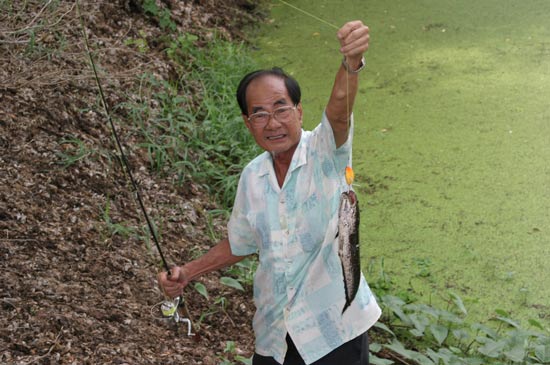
[[452, 140]]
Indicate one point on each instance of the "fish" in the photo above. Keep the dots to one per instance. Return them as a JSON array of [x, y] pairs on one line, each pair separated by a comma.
[[348, 244]]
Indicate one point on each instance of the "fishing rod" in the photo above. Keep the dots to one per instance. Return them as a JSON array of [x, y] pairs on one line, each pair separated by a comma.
[[168, 308]]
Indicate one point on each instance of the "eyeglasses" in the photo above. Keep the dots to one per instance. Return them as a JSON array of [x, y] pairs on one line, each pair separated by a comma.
[[282, 115]]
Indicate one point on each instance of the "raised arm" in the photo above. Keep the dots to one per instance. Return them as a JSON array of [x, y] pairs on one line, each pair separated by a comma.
[[354, 41]]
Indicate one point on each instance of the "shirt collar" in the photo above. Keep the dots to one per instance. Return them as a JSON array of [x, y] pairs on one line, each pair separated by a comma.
[[299, 158]]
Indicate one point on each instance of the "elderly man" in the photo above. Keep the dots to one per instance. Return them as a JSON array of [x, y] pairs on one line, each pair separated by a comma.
[[286, 211]]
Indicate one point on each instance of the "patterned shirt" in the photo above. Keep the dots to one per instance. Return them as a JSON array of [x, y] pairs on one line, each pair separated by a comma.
[[298, 286]]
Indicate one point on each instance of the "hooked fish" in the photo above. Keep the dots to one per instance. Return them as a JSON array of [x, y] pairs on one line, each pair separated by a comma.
[[348, 240]]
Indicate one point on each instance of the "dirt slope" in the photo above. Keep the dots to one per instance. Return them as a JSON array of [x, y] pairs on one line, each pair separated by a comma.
[[74, 290]]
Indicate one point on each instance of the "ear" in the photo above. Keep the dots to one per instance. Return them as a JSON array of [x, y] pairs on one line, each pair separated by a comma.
[[246, 122], [300, 112]]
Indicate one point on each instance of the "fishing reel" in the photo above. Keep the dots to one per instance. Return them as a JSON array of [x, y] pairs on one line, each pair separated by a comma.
[[170, 310]]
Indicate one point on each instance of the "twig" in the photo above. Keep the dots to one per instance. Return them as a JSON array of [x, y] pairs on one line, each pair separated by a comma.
[[8, 239], [398, 358], [8, 302], [29, 26], [228, 317], [16, 82], [19, 41], [56, 341], [17, 239], [39, 13]]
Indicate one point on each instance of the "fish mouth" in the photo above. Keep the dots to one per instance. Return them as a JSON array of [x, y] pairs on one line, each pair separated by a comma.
[[353, 197]]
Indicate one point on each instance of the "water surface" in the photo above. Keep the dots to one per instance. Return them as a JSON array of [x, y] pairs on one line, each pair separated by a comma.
[[452, 140]]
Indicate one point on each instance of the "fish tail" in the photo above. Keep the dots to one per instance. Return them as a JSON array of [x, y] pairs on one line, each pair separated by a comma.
[[346, 306]]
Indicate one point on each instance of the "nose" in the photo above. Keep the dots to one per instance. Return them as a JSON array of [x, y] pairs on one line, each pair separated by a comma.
[[272, 122]]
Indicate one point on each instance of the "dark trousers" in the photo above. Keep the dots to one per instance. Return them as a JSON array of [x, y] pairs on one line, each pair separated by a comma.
[[354, 352]]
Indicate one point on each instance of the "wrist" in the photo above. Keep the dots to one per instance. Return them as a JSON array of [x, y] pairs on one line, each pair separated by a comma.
[[183, 276], [353, 65]]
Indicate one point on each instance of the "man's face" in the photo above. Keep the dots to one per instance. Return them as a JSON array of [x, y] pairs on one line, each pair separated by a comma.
[[280, 133]]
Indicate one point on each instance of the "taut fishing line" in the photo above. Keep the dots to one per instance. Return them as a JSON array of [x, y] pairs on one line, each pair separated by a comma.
[[168, 308], [347, 73], [310, 15]]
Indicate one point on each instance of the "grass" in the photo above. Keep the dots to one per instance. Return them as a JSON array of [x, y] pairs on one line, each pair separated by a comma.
[[191, 127]]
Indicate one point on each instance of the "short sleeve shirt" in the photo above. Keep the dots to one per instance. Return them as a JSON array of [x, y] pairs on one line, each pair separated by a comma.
[[298, 285]]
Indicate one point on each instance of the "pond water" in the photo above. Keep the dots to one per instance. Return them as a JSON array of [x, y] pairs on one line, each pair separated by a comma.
[[452, 143]]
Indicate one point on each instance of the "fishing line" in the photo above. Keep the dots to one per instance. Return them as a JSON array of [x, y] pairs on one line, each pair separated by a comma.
[[168, 308], [310, 15], [349, 177], [347, 72]]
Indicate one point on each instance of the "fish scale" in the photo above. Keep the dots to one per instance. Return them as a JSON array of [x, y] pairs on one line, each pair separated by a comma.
[[348, 244]]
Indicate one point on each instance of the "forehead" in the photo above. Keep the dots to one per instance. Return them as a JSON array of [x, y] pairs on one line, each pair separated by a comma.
[[265, 91]]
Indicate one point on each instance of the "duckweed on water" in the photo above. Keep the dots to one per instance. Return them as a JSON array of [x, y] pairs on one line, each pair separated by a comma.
[[451, 145]]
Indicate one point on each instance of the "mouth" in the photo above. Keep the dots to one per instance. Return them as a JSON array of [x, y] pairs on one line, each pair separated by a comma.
[[275, 137]]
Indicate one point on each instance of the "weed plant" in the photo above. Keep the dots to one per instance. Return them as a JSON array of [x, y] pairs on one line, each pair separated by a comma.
[[410, 332], [192, 127]]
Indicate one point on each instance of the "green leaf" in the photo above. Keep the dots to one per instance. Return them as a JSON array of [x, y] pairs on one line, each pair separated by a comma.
[[230, 347], [459, 304], [501, 312], [420, 322], [460, 334], [439, 332], [150, 7], [422, 308], [543, 353], [226, 280], [375, 347], [397, 346], [535, 323], [450, 317], [199, 287], [516, 353], [509, 321], [166, 22], [374, 360], [492, 348], [488, 331], [455, 350], [443, 354], [421, 359], [383, 327], [244, 360]]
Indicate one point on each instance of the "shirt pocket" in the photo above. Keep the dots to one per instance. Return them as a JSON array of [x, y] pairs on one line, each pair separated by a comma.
[[312, 222], [260, 228]]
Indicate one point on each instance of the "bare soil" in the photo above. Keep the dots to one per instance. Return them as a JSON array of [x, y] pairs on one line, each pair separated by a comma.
[[74, 290]]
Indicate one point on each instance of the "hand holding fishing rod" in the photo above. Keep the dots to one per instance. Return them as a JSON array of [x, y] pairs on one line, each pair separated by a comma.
[[177, 278], [173, 282]]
